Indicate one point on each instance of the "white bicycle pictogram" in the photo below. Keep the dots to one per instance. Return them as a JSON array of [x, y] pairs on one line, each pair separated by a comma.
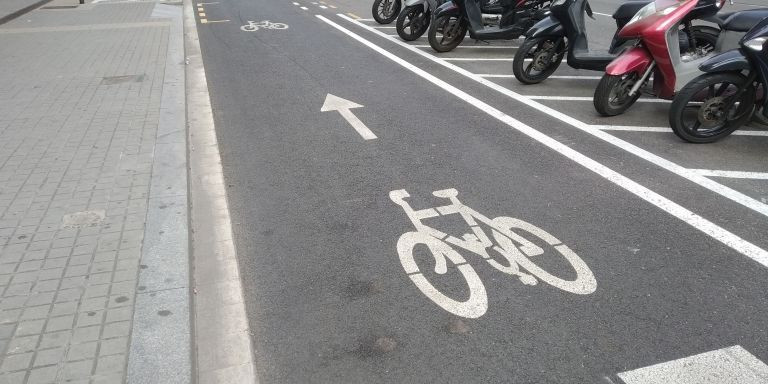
[[266, 24], [507, 239]]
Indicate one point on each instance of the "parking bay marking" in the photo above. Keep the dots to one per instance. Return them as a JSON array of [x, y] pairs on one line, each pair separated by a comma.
[[700, 223], [670, 166], [732, 174], [631, 128], [335, 103], [491, 76]]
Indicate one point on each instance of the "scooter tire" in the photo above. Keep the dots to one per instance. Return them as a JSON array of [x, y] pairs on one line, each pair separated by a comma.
[[433, 29], [382, 19], [526, 50], [695, 87], [411, 12], [602, 98]]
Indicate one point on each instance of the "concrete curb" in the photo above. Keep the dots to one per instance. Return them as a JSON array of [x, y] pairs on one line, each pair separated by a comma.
[[222, 343], [160, 350], [31, 7]]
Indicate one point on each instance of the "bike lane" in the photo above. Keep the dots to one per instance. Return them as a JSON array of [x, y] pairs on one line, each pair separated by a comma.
[[317, 232]]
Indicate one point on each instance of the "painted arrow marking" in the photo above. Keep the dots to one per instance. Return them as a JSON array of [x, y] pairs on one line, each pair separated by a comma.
[[335, 103]]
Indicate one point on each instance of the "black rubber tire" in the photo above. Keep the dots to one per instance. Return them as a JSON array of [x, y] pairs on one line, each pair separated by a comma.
[[409, 13], [526, 50], [690, 92], [437, 24], [704, 38], [384, 19], [602, 98]]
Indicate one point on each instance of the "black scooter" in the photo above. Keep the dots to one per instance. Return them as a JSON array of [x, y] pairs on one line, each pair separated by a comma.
[[564, 31], [453, 19], [732, 90]]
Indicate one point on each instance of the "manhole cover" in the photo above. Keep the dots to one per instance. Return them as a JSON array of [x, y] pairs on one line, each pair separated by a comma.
[[59, 7], [110, 80]]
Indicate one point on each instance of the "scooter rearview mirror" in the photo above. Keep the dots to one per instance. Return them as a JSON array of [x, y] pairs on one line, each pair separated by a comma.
[[589, 10]]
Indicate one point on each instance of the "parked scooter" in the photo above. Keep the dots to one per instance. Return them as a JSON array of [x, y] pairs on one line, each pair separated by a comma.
[[672, 65], [453, 19], [414, 18], [732, 88], [385, 11], [564, 31]]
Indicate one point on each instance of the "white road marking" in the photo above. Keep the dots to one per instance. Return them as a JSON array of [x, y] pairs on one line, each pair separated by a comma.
[[588, 98], [488, 75], [732, 365], [335, 103], [295, 3], [323, 7], [732, 174], [670, 166], [304, 8], [707, 227], [479, 59], [630, 128], [397, 36], [384, 27], [366, 19], [603, 14], [475, 46]]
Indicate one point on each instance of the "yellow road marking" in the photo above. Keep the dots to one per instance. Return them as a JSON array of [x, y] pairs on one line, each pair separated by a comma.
[[332, 6], [203, 21], [217, 21], [202, 14]]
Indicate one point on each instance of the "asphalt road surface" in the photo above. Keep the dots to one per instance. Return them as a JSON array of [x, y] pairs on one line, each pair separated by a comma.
[[644, 250]]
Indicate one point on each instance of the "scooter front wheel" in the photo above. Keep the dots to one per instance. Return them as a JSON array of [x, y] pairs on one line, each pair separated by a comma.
[[711, 107], [545, 54], [412, 22], [385, 11], [446, 32], [612, 94]]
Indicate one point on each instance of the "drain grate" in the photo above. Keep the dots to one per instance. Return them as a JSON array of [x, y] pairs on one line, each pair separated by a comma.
[[59, 7], [110, 80]]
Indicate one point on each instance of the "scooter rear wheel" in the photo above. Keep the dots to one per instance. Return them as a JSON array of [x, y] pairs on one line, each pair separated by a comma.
[[612, 94], [385, 11], [451, 28], [412, 22], [711, 107], [546, 54]]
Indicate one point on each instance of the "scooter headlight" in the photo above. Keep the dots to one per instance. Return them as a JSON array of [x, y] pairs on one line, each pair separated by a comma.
[[758, 44], [644, 12]]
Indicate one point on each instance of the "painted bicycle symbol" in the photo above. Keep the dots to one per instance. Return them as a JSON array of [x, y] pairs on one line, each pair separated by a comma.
[[509, 239], [266, 24]]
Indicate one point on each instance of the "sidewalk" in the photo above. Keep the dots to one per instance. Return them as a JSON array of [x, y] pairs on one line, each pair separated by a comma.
[[94, 254]]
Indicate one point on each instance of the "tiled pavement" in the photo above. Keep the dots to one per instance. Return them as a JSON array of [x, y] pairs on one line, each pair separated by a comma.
[[80, 104]]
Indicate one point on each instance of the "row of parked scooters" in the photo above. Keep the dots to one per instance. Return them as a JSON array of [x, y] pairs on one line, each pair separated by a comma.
[[716, 71]]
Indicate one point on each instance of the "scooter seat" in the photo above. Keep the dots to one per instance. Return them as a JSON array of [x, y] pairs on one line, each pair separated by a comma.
[[744, 21], [629, 9], [719, 18]]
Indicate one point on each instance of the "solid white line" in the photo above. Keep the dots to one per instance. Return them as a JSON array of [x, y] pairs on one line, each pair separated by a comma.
[[477, 59], [475, 46], [659, 161], [384, 27], [586, 98], [630, 128], [395, 35], [713, 230], [732, 174], [488, 75], [602, 14], [366, 19]]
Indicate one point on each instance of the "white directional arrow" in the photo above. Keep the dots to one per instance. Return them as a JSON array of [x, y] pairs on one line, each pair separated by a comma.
[[335, 103]]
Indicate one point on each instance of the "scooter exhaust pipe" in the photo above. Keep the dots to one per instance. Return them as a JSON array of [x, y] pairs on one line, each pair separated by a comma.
[[643, 79]]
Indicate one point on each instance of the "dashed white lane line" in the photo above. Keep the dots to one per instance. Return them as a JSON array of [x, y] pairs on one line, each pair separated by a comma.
[[732, 365], [323, 6], [732, 174], [587, 98], [296, 3], [630, 128], [659, 161], [700, 223], [304, 8]]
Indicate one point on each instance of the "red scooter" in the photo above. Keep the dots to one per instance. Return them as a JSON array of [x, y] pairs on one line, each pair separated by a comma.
[[667, 50]]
